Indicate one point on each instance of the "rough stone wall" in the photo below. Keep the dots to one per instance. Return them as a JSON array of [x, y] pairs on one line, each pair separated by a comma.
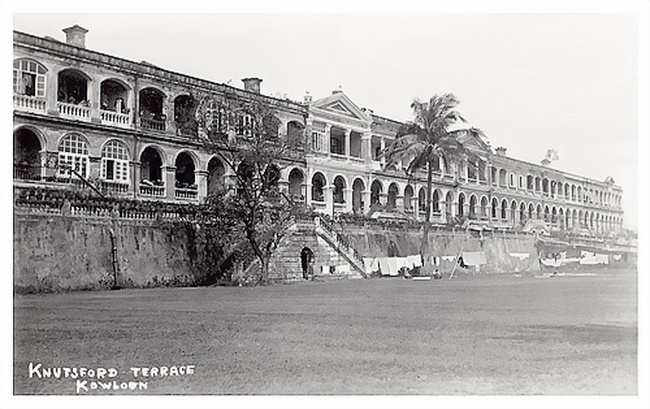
[[54, 253], [497, 247]]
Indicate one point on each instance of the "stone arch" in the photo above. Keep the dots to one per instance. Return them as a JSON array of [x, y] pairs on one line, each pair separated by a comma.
[[358, 187], [152, 159], [435, 199], [28, 149], [422, 199], [504, 209], [114, 95], [30, 77], [376, 189], [449, 200], [513, 211], [73, 151], [339, 185], [408, 195], [296, 180], [318, 183], [484, 207], [495, 208], [186, 165], [540, 215], [522, 213], [473, 201], [72, 86], [393, 192], [460, 210], [216, 172]]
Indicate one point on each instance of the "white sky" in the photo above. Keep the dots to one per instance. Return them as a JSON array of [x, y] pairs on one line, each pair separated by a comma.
[[530, 81]]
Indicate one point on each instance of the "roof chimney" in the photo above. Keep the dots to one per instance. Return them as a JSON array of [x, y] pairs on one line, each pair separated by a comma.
[[307, 98], [501, 151], [252, 84], [339, 90], [76, 36]]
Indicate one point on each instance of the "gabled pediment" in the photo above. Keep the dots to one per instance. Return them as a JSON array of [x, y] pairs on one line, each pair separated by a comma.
[[339, 104], [475, 142]]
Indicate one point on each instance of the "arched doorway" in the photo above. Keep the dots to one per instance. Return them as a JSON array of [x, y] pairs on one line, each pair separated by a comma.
[[296, 179], [375, 192], [185, 171], [357, 199], [318, 183], [216, 170], [307, 263], [408, 195], [339, 187], [27, 155], [461, 205], [151, 166], [472, 207], [393, 191]]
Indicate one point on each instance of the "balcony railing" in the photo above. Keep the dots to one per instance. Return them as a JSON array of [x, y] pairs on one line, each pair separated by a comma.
[[185, 193], [153, 124], [154, 191], [73, 111], [29, 104], [115, 118], [114, 187], [28, 172]]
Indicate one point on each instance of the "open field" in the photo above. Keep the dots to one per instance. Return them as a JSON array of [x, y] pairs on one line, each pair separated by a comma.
[[492, 334]]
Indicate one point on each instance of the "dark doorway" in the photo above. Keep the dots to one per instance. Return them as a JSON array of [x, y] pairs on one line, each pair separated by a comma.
[[307, 263]]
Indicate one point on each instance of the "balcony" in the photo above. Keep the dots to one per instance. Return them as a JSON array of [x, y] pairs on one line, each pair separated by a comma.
[[152, 124], [114, 187], [28, 172], [152, 191], [115, 119], [28, 103], [73, 111], [186, 193]]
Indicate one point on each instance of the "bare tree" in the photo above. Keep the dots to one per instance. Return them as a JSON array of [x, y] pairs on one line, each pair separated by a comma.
[[245, 137]]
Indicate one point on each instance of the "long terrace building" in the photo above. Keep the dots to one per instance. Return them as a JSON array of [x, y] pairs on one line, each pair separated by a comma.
[[133, 130]]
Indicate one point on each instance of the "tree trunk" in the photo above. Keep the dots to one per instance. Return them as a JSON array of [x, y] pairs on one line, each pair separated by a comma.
[[264, 267], [427, 216]]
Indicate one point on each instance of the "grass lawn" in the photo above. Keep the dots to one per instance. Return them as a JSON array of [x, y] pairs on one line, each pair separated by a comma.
[[493, 334]]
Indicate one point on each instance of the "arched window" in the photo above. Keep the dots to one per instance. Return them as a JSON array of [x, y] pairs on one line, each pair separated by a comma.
[[115, 162], [29, 78], [73, 154]]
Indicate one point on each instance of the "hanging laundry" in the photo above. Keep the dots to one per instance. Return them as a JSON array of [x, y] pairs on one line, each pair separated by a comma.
[[474, 258]]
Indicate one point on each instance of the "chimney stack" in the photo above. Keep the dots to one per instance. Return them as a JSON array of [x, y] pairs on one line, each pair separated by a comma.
[[501, 151], [76, 36], [339, 90], [252, 84], [307, 98]]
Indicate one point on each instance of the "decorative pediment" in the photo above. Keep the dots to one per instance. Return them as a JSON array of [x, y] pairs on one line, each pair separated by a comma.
[[474, 141], [339, 104]]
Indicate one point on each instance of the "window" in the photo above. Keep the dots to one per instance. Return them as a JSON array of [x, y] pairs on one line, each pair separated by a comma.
[[511, 180], [115, 162], [29, 78], [317, 137], [73, 154], [521, 182]]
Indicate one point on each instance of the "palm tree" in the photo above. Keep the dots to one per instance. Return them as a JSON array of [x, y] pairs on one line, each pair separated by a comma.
[[428, 137]]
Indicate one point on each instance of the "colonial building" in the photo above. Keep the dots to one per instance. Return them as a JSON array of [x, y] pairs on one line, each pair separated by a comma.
[[134, 130]]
